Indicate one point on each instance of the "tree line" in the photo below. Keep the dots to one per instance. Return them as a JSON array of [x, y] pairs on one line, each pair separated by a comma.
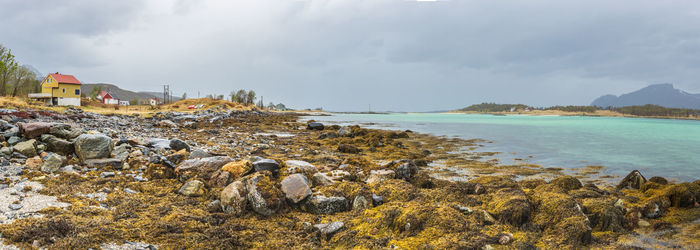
[[15, 79]]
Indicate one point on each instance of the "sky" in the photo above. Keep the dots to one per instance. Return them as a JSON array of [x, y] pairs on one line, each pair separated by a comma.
[[355, 55]]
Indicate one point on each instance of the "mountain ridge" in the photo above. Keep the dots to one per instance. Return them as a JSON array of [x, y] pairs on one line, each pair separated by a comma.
[[663, 94]]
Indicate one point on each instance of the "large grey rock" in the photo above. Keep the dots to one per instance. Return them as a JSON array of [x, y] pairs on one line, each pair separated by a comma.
[[634, 180], [6, 151], [167, 123], [121, 152], [266, 165], [57, 145], [314, 126], [296, 187], [177, 145], [345, 131], [264, 199], [329, 228], [233, 198], [199, 153], [192, 188], [321, 179], [93, 146], [319, 204], [65, 131], [202, 168], [104, 162], [406, 170], [26, 148], [360, 203], [33, 129], [52, 163]]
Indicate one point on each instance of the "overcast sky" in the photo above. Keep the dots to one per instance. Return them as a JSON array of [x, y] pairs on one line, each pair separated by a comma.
[[346, 55]]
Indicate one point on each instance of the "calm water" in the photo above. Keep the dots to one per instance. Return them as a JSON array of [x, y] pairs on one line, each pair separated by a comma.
[[669, 148]]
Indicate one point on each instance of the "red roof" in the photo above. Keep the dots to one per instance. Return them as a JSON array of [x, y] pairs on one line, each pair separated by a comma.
[[104, 94], [65, 78]]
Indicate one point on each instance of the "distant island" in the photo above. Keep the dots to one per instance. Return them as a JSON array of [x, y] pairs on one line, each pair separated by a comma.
[[664, 95]]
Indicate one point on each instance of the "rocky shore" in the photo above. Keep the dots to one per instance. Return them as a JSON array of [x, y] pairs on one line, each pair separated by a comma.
[[221, 179]]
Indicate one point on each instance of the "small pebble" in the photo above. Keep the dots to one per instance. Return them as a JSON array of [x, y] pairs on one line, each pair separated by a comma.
[[15, 206]]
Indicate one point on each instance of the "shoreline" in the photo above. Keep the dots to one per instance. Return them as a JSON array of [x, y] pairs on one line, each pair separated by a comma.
[[366, 188], [599, 113]]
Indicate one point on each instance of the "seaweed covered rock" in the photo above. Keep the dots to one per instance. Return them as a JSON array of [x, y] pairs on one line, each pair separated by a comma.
[[685, 194], [237, 168], [93, 146], [177, 145], [554, 207], [495, 181], [603, 214], [379, 176], [394, 190], [567, 183], [297, 166], [511, 206], [319, 204], [158, 171], [314, 126], [321, 179], [26, 148], [52, 162], [659, 180], [263, 195], [192, 188], [345, 131], [296, 187], [634, 180], [348, 149], [571, 232], [220, 179], [233, 198], [202, 168]]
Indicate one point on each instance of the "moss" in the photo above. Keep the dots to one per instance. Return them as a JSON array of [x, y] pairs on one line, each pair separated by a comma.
[[394, 190], [511, 206], [346, 189], [571, 232], [238, 168]]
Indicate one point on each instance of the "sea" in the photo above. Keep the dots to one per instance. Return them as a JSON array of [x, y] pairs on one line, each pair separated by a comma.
[[656, 147]]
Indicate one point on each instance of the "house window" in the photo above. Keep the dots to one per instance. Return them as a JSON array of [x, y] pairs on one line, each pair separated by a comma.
[[64, 90], [77, 92]]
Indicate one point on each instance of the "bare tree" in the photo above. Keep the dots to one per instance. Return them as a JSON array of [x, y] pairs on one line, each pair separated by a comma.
[[8, 65], [23, 80]]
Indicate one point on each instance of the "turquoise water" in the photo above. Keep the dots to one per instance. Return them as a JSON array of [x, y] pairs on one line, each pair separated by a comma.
[[657, 147]]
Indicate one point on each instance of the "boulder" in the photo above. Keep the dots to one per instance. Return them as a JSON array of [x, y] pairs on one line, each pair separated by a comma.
[[192, 188], [314, 126], [296, 166], [93, 146], [26, 148], [202, 168], [659, 180], [296, 187], [177, 145], [33, 129], [34, 162], [406, 169], [167, 124], [121, 152], [319, 204], [360, 203], [266, 165], [567, 183], [199, 153], [603, 214], [65, 131], [263, 195], [57, 145], [321, 179], [345, 131], [634, 180], [104, 162], [52, 163], [511, 206], [378, 176], [233, 198], [220, 179], [238, 168], [329, 229]]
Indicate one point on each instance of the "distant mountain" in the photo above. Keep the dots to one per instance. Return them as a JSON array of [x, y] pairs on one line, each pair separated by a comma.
[[122, 94], [658, 94]]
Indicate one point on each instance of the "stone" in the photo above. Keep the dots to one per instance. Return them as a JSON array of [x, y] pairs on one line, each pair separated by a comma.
[[202, 168], [319, 204], [93, 146], [26, 148], [233, 198], [296, 187], [33, 129], [199, 153], [634, 180], [34, 162], [14, 140], [656, 207], [296, 166], [106, 174], [238, 168], [377, 200], [57, 145], [14, 206], [329, 228], [377, 176], [314, 126], [345, 131], [167, 123], [6, 151], [360, 203], [52, 163], [177, 145], [659, 180], [65, 131], [263, 196], [192, 188], [405, 170], [106, 162], [643, 223], [321, 179], [567, 183], [220, 179], [121, 152], [266, 164], [214, 206]]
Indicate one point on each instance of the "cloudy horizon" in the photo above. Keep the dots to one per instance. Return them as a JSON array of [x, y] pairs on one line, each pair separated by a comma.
[[347, 55]]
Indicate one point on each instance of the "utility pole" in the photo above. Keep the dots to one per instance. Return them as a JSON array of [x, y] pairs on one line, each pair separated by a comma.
[[166, 92]]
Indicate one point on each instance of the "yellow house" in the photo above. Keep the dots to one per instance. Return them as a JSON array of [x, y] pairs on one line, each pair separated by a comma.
[[59, 89]]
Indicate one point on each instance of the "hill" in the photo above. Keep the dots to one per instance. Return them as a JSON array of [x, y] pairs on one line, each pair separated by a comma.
[[493, 107], [122, 94], [664, 95]]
